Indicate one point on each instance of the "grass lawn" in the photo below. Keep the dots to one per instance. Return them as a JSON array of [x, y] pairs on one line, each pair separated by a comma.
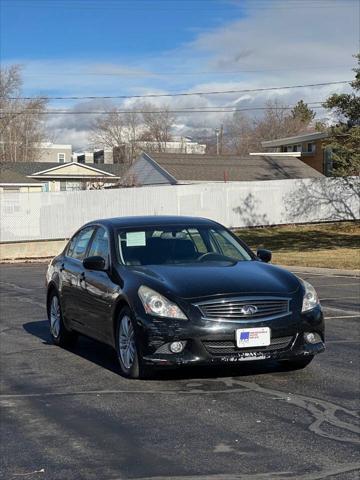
[[329, 245]]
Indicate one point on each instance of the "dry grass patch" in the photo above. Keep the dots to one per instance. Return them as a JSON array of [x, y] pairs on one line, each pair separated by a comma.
[[330, 245]]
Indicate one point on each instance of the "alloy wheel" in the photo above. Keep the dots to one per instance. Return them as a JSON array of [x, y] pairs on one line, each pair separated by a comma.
[[126, 342], [55, 317]]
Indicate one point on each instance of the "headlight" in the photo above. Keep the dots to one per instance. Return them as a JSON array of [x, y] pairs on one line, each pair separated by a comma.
[[156, 304], [310, 297]]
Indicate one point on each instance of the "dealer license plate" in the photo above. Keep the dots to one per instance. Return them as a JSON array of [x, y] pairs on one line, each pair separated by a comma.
[[252, 337]]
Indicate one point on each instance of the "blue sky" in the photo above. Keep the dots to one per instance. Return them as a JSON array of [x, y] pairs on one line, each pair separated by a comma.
[[135, 36], [115, 47], [109, 29]]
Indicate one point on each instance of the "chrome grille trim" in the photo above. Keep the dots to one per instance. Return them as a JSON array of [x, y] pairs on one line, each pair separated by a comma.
[[229, 309]]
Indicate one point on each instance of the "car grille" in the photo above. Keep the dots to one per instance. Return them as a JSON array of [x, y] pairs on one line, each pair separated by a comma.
[[221, 347], [232, 309]]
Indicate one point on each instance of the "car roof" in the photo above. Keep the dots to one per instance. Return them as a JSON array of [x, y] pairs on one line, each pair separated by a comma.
[[152, 220]]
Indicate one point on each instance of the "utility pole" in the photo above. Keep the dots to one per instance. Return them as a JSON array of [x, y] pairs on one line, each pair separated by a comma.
[[221, 138], [217, 132]]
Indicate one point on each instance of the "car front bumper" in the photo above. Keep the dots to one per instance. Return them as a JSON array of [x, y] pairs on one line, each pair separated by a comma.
[[213, 343]]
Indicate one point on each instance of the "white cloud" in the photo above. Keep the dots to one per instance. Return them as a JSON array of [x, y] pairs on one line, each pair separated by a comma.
[[299, 41]]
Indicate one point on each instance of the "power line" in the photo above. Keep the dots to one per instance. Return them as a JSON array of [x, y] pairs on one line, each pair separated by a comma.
[[182, 94], [115, 109], [116, 112]]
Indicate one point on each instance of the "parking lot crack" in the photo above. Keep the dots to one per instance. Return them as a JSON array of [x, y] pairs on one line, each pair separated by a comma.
[[324, 412]]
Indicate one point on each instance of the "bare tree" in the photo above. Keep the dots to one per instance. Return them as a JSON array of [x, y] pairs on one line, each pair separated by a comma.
[[117, 129], [133, 122], [240, 138], [278, 123], [245, 134], [109, 131], [21, 121], [144, 127], [158, 123]]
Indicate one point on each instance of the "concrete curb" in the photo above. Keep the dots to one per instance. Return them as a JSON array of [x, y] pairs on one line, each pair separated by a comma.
[[335, 272], [44, 260]]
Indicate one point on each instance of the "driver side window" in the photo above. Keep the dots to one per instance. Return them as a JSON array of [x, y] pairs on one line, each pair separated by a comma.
[[79, 243]]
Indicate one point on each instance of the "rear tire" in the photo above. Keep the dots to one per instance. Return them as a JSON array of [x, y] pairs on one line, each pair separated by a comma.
[[297, 363], [60, 335], [129, 357]]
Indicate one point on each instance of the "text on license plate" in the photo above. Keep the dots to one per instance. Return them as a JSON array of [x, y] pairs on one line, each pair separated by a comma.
[[252, 337]]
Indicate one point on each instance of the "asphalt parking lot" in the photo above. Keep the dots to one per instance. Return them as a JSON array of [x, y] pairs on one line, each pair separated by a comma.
[[67, 414]]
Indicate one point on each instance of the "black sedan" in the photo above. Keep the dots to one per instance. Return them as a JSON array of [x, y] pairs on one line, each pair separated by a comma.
[[172, 291]]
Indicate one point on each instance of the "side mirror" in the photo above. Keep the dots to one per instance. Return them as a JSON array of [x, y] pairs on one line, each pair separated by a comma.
[[94, 263], [264, 255]]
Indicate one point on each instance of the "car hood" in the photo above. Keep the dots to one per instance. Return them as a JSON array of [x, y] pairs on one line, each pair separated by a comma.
[[195, 281]]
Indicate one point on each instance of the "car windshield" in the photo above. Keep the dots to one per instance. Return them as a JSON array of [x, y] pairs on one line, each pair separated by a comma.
[[178, 245]]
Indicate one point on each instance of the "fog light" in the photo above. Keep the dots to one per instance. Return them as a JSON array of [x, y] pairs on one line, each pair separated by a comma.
[[311, 337], [177, 347]]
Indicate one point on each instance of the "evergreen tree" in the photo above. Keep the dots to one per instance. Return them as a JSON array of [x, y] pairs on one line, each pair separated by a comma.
[[344, 137], [303, 113]]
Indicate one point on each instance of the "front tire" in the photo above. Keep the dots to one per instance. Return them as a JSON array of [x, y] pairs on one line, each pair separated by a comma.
[[129, 357], [60, 335]]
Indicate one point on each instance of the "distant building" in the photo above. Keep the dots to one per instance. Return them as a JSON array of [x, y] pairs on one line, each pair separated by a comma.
[[172, 169], [177, 145], [54, 152], [121, 154], [44, 152], [106, 156], [309, 146]]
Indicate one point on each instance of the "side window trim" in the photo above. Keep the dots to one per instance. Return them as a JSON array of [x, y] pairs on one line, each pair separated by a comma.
[[91, 241], [215, 242]]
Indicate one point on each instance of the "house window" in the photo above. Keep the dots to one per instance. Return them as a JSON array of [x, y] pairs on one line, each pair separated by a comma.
[[71, 185], [311, 147], [99, 157], [61, 157]]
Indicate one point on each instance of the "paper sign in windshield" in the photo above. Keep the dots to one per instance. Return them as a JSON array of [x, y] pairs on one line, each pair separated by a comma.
[[135, 239]]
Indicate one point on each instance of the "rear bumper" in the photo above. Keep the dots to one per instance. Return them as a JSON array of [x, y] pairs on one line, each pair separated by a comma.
[[213, 343]]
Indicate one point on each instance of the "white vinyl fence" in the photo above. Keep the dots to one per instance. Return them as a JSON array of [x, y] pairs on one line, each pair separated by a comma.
[[45, 216]]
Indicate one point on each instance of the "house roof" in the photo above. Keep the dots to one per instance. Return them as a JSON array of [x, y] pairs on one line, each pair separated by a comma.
[[49, 169], [214, 168], [305, 137], [8, 176]]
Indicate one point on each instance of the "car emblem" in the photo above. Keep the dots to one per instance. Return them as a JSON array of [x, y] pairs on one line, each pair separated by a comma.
[[248, 310]]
